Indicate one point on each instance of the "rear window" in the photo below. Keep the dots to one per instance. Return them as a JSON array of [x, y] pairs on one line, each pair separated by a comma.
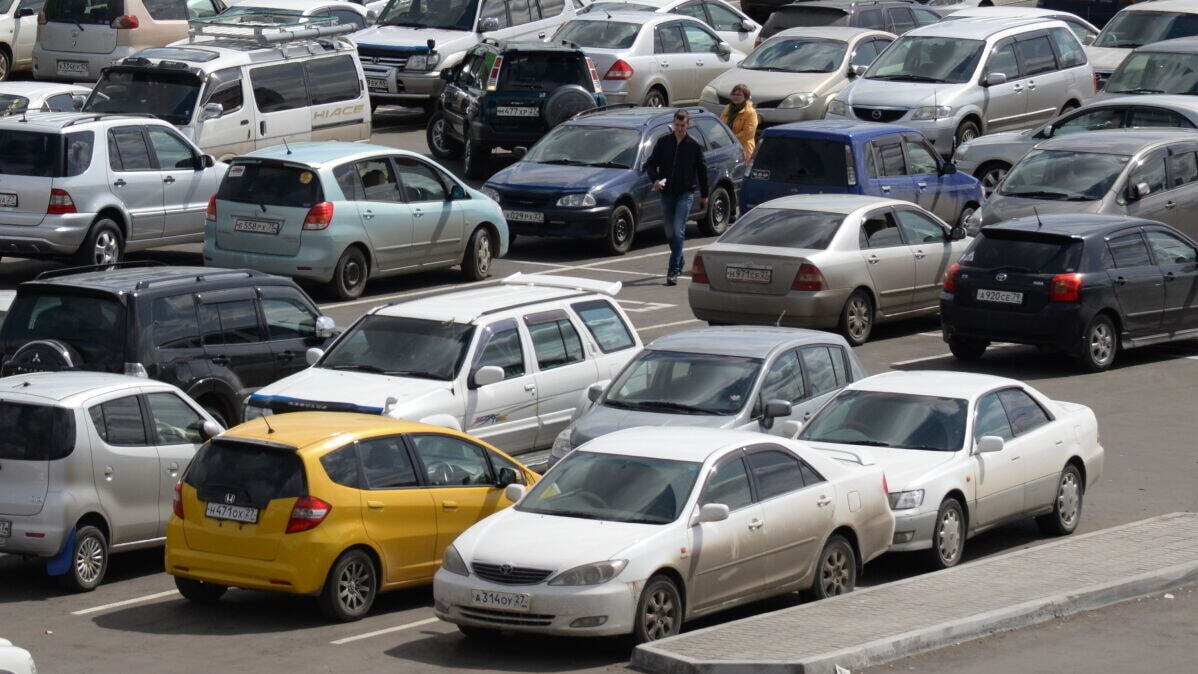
[[271, 184], [94, 325], [802, 161], [1023, 252], [84, 11], [256, 475], [601, 34], [35, 432], [25, 153], [786, 227], [543, 72], [791, 17], [11, 104]]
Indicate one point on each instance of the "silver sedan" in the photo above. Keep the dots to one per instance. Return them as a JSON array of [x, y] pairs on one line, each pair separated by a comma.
[[826, 261], [733, 26]]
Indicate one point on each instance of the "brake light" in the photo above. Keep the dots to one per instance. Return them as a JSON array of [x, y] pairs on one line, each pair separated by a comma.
[[808, 278], [698, 271], [178, 502], [757, 43], [594, 75], [308, 512], [493, 78], [620, 70], [319, 216], [1066, 288], [60, 203], [127, 21], [950, 278], [41, 19], [885, 485], [211, 215], [850, 167], [1097, 82]]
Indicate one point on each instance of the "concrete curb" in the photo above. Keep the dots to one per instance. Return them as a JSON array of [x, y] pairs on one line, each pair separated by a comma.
[[651, 659]]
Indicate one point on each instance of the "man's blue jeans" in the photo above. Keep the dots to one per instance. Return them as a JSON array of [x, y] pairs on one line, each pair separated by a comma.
[[674, 210]]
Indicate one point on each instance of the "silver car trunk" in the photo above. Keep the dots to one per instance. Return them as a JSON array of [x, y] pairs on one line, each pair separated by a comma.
[[758, 270], [84, 38], [23, 199]]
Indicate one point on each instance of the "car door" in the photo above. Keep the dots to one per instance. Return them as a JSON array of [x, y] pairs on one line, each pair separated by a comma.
[[176, 426], [1159, 203], [1042, 443], [1139, 284], [703, 46], [1005, 107], [185, 201], [437, 220], [281, 97], [178, 356], [798, 512], [934, 191], [125, 468], [930, 247], [887, 169], [465, 87], [826, 370], [385, 216], [564, 369], [728, 561], [25, 30], [1000, 476], [290, 328], [1178, 261], [1044, 81], [527, 23], [730, 26], [232, 132], [890, 264], [675, 64], [234, 340], [504, 413], [461, 481], [135, 179]]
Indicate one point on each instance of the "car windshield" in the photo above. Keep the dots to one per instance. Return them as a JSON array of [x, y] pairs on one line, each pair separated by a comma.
[[1064, 175], [785, 227], [88, 12], [11, 104], [1156, 73], [684, 383], [169, 96], [30, 432], [614, 488], [92, 325], [447, 14], [1027, 252], [803, 161], [599, 34], [587, 145], [402, 347], [1132, 29], [883, 419], [797, 55], [928, 59]]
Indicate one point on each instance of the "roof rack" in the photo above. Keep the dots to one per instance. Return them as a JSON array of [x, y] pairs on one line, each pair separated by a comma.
[[215, 274], [107, 115], [266, 28], [604, 108], [610, 288], [67, 271]]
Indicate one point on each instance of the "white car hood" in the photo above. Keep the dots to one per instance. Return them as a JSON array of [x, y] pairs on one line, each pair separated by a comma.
[[903, 467], [364, 390], [1106, 58], [448, 41]]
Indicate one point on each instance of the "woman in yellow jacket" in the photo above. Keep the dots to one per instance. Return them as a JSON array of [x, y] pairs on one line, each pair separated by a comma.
[[742, 118]]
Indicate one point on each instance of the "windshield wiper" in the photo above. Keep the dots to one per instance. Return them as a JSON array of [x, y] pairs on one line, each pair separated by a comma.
[[357, 367], [609, 164], [1037, 194], [562, 162], [768, 69], [416, 373], [907, 78], [867, 443], [1136, 91], [672, 407], [569, 513]]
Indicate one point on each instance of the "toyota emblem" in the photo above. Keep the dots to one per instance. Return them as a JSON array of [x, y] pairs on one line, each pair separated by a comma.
[[876, 114], [229, 498], [1000, 276], [506, 569]]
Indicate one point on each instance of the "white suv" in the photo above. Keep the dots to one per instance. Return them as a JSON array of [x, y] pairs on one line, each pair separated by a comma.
[[508, 363]]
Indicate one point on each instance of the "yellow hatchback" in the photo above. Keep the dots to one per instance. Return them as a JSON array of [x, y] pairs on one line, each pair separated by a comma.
[[340, 506]]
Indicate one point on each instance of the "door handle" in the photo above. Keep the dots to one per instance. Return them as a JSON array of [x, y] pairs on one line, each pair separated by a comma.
[[245, 122], [1169, 277], [220, 360], [1017, 88], [286, 355], [922, 185], [1120, 281], [262, 127], [169, 179], [919, 255], [108, 471], [806, 416], [530, 387], [664, 64], [872, 259], [1170, 203], [541, 35], [120, 182], [755, 524], [1014, 458], [449, 505], [374, 505], [172, 467], [823, 501], [368, 214], [417, 213], [886, 188], [698, 63]]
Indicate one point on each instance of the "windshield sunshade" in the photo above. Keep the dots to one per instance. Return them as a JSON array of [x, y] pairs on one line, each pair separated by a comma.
[[409, 347], [881, 419]]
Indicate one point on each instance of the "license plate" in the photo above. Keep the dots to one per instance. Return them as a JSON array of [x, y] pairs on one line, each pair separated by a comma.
[[255, 226], [524, 216], [1003, 296], [5, 528], [375, 83], [73, 67], [749, 274], [508, 601], [224, 511], [7, 199], [518, 111]]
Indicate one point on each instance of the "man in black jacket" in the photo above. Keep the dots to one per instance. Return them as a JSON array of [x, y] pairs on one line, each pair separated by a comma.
[[674, 167]]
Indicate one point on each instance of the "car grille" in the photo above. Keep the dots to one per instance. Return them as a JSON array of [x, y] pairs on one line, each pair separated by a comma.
[[383, 57], [510, 575], [766, 104], [506, 617], [527, 199], [878, 114]]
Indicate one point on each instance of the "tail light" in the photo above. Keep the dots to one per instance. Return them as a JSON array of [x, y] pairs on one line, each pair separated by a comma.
[[885, 485], [308, 512], [698, 271], [41, 19], [60, 203], [850, 167], [950, 278], [808, 278], [757, 43], [493, 77], [620, 70], [1066, 288], [178, 502], [127, 21], [211, 215], [319, 216], [594, 76], [1097, 82]]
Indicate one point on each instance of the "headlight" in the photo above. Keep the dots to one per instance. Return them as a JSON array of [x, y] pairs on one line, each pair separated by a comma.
[[797, 101], [453, 562], [253, 412], [423, 62], [837, 107], [903, 500], [709, 95], [933, 112], [491, 194], [591, 574], [576, 200], [562, 444]]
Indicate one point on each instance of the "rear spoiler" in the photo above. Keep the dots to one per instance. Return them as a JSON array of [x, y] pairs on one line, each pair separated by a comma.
[[609, 288], [249, 443]]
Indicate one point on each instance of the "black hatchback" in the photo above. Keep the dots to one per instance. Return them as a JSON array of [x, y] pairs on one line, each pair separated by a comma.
[[1087, 285]]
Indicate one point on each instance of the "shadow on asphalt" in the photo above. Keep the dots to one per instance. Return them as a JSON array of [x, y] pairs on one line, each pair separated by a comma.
[[511, 652], [25, 579]]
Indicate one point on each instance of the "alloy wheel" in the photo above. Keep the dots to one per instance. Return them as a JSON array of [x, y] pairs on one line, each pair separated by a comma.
[[439, 135], [858, 318], [482, 253], [89, 560], [1069, 499], [106, 248], [948, 537], [1102, 343], [991, 179], [354, 586], [660, 614], [654, 99], [835, 573]]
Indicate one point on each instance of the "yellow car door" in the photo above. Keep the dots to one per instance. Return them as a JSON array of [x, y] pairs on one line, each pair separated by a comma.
[[398, 513]]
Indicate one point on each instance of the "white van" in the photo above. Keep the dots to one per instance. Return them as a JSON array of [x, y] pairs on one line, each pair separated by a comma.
[[243, 83]]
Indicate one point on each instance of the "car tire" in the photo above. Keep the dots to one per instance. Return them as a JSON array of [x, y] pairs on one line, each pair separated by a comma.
[[990, 175], [857, 318], [440, 143], [350, 588], [836, 572], [658, 611], [719, 213], [89, 560], [476, 263], [969, 209], [476, 159], [967, 349], [216, 410], [103, 244], [1100, 344], [199, 592], [655, 98], [967, 131], [1066, 506], [478, 633], [565, 102], [349, 277], [5, 65], [621, 228], [948, 535]]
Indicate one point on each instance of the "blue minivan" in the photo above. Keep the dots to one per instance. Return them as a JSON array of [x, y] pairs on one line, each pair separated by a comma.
[[586, 177], [883, 160]]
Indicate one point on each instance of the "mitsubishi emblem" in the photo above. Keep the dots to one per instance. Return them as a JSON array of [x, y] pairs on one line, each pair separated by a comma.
[[876, 114], [37, 358], [1000, 276], [506, 569], [229, 498]]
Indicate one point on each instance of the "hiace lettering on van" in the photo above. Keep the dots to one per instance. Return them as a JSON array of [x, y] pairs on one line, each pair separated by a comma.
[[338, 113]]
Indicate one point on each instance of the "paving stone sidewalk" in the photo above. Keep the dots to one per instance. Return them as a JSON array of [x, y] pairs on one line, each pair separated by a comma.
[[890, 621]]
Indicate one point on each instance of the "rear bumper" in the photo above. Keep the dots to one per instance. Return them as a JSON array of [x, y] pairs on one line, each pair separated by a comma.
[[485, 133], [803, 309], [54, 235], [1059, 325], [299, 568], [45, 63], [40, 535], [313, 262]]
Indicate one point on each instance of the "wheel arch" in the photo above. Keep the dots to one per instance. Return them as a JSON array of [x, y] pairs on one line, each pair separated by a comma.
[[95, 519], [1077, 462], [974, 116], [493, 230], [676, 577], [658, 83], [206, 389], [959, 496], [366, 253], [118, 215], [850, 535]]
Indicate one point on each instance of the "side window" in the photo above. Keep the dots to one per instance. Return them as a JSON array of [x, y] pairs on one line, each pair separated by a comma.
[[920, 161], [924, 17], [174, 322], [420, 182], [503, 349], [175, 422], [1183, 168], [519, 11], [1150, 172], [991, 419], [871, 18], [729, 485], [693, 10], [1025, 414], [201, 9], [1093, 120], [385, 463], [333, 79], [347, 180], [901, 19], [551, 8], [127, 149], [668, 40], [784, 380], [230, 323], [228, 96], [605, 325], [341, 465], [470, 75], [821, 373], [279, 87], [1129, 251], [1036, 55], [167, 10], [555, 342], [716, 133], [1002, 60], [1069, 49], [171, 151], [79, 151], [871, 163], [810, 475], [119, 422], [865, 54], [378, 180], [500, 462], [775, 473], [723, 18], [288, 318], [450, 461], [494, 9], [60, 103], [840, 366], [891, 157], [917, 228], [880, 231], [344, 16], [1157, 117], [1169, 249], [700, 40]]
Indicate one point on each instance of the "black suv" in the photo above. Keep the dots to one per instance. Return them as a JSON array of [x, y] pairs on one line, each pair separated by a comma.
[[892, 16], [509, 94], [1087, 285], [218, 334]]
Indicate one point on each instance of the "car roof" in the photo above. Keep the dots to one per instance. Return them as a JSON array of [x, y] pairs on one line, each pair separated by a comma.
[[1187, 6], [1117, 141], [517, 290], [845, 4], [31, 89], [939, 383], [740, 340], [56, 121], [321, 153], [61, 387], [829, 128], [311, 429], [134, 278], [832, 203], [1074, 225], [1006, 12], [1182, 102], [681, 443], [980, 28], [1178, 44], [632, 117], [531, 46], [845, 33], [298, 5]]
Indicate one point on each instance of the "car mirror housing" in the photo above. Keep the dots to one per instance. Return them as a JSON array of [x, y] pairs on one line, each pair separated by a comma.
[[447, 74], [857, 70], [595, 391], [777, 408], [325, 327], [747, 26], [212, 110], [1142, 190], [519, 151], [487, 375], [994, 79], [956, 233], [713, 512], [988, 444], [488, 24], [507, 476], [210, 429], [723, 49], [457, 193], [206, 161], [313, 355], [514, 492], [948, 168]]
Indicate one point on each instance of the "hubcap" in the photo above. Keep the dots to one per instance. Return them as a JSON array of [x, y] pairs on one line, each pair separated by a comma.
[[3, 67], [439, 135], [351, 276], [89, 560], [620, 229], [659, 615], [483, 253], [858, 318], [991, 179], [468, 155], [354, 587], [1069, 500], [1102, 343], [967, 135], [719, 211], [835, 573], [105, 251], [949, 535]]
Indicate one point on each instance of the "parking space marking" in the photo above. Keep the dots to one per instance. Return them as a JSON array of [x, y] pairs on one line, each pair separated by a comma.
[[667, 325], [1001, 345], [643, 307], [388, 630], [127, 602]]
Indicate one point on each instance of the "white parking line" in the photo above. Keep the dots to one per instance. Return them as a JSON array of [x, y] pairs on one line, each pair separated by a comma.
[[118, 604], [388, 630], [1000, 345], [667, 325]]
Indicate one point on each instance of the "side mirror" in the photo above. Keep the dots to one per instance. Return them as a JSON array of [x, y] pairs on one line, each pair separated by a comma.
[[212, 111], [513, 492], [989, 443], [488, 24], [994, 79], [713, 512], [747, 26], [507, 476], [857, 70], [447, 74], [1142, 190], [325, 327], [1089, 39], [207, 161], [723, 49], [519, 151], [595, 392], [210, 429], [487, 375], [948, 168], [23, 12], [956, 233], [456, 192], [777, 408], [313, 355], [371, 16]]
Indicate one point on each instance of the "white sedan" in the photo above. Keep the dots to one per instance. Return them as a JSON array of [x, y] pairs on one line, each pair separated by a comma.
[[18, 97], [640, 530], [963, 453]]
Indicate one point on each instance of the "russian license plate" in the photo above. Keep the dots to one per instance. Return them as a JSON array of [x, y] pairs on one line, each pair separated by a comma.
[[255, 226], [8, 199], [1003, 296], [508, 601], [749, 274], [5, 528], [524, 216], [376, 83], [225, 511], [518, 111], [72, 67]]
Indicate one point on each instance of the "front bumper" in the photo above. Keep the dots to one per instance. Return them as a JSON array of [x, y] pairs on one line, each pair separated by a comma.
[[401, 86], [772, 116], [54, 235], [1058, 325], [803, 309], [45, 63], [940, 132], [913, 531]]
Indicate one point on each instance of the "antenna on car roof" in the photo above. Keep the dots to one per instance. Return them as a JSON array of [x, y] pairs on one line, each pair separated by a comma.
[[1037, 212], [286, 146], [266, 421], [778, 323]]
